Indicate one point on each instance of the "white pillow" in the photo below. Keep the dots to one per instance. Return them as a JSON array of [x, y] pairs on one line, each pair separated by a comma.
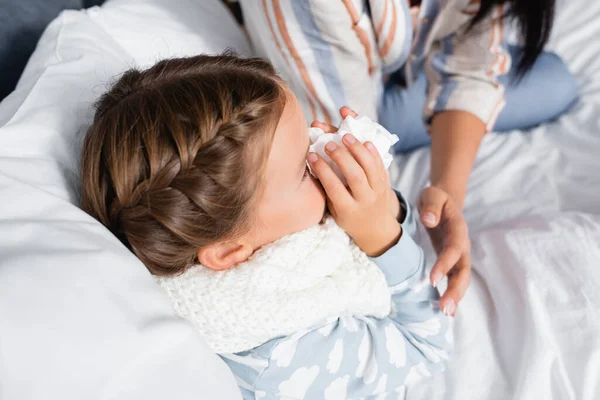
[[80, 316], [158, 29]]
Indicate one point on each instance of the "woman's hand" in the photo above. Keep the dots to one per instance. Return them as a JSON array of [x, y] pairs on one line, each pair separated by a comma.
[[449, 234], [363, 209]]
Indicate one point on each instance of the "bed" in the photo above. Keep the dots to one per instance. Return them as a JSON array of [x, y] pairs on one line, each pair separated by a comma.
[[529, 325], [528, 328]]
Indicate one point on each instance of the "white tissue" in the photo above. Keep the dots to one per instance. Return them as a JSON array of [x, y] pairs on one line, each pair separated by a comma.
[[364, 129]]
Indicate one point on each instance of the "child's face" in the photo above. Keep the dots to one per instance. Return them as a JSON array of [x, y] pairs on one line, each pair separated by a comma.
[[293, 199]]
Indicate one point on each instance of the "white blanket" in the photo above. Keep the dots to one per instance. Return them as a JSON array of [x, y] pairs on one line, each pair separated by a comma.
[[529, 326]]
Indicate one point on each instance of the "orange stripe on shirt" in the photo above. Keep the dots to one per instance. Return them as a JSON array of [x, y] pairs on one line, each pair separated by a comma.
[[266, 10], [352, 11], [491, 45], [362, 35], [503, 61], [385, 49], [499, 52], [383, 17], [313, 111], [298, 60], [494, 46]]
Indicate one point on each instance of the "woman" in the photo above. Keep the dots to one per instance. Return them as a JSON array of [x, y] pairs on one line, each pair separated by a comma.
[[430, 71]]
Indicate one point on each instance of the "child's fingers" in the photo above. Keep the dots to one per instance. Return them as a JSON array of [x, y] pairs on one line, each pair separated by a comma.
[[334, 188], [352, 171], [347, 111], [368, 162], [327, 128], [373, 150]]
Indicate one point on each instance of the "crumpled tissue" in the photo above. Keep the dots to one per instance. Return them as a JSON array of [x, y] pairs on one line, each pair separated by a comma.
[[364, 129]]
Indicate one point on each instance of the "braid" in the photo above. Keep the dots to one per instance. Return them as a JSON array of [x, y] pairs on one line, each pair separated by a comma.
[[174, 158]]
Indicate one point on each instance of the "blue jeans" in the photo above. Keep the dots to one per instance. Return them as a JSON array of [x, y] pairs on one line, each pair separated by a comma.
[[544, 93]]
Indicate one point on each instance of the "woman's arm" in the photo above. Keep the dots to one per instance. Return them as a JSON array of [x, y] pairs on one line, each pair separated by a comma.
[[456, 136], [464, 96], [464, 100]]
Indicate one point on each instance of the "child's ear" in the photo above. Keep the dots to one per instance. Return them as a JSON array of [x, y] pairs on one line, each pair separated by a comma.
[[224, 255]]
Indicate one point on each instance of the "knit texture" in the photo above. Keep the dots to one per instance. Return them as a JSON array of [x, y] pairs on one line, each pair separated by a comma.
[[291, 284]]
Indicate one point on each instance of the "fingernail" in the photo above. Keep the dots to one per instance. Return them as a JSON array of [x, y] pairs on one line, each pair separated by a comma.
[[437, 277], [429, 218], [330, 146], [370, 146], [312, 157], [449, 309], [349, 138]]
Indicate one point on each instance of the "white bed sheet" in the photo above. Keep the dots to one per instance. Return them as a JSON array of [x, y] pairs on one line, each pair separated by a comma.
[[529, 326]]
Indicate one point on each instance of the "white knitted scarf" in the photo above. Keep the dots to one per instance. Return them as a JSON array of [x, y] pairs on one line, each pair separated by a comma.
[[294, 283]]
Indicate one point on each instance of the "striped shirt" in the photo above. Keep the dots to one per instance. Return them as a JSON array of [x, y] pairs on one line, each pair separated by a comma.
[[335, 53]]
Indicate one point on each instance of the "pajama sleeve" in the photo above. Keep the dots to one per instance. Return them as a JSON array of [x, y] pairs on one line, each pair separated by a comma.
[[358, 356], [463, 69]]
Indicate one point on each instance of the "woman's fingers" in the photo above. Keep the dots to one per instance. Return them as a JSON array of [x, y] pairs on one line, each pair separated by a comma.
[[450, 234], [447, 259], [335, 189], [454, 246], [431, 205], [458, 282]]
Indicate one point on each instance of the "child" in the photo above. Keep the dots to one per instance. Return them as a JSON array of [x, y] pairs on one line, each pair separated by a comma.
[[199, 166]]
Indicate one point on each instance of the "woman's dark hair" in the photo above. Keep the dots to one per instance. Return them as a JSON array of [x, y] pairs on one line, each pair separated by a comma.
[[534, 18]]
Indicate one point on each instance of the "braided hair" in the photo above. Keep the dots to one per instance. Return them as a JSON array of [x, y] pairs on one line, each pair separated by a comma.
[[174, 158]]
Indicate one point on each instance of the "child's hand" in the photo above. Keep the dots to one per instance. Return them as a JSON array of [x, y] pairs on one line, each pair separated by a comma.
[[364, 209], [328, 128]]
